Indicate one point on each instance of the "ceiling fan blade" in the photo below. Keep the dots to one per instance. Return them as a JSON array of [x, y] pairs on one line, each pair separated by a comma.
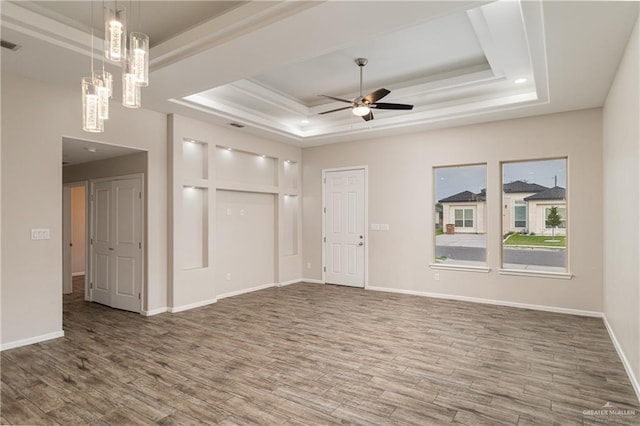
[[337, 99], [391, 106], [368, 116], [373, 97], [334, 110]]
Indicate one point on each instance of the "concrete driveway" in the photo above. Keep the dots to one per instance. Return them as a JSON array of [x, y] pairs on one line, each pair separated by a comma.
[[462, 240]]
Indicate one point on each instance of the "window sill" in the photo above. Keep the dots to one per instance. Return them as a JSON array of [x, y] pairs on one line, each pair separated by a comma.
[[465, 268], [537, 274]]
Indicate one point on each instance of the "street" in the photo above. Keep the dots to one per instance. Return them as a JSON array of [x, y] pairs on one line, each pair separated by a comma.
[[541, 257]]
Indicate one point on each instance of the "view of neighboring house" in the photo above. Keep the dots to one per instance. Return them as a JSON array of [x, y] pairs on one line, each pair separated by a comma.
[[526, 207]]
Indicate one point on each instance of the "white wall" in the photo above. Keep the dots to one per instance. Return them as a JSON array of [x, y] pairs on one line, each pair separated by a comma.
[[621, 201], [401, 194], [35, 117]]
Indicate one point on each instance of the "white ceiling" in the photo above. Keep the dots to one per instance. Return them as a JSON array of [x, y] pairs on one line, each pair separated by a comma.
[[77, 151], [263, 63]]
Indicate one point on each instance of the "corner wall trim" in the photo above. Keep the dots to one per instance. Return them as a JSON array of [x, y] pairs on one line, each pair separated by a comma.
[[492, 302], [177, 309], [32, 340], [312, 281], [289, 282], [153, 312], [627, 366], [245, 290]]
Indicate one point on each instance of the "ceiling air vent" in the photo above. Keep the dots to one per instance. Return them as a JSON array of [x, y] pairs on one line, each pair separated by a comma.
[[239, 126], [8, 45]]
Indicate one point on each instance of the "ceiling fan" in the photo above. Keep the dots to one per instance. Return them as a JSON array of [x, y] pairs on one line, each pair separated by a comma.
[[362, 105]]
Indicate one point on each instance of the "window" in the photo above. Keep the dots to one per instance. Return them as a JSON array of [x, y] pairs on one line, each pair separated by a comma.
[[460, 216], [463, 218], [520, 214], [534, 217]]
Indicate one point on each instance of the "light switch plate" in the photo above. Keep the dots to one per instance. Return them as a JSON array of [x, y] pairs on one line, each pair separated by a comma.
[[384, 226], [40, 234], [375, 226]]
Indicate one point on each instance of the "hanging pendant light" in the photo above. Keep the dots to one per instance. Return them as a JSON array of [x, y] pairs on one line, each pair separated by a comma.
[[91, 121], [130, 90], [105, 92], [139, 57], [115, 34], [93, 94]]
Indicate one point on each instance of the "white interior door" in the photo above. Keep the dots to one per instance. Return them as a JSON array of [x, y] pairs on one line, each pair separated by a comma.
[[345, 227], [117, 243], [101, 244]]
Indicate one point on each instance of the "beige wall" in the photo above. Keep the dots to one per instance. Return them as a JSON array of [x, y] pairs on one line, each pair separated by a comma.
[[35, 117], [78, 229], [621, 162], [401, 194], [240, 170]]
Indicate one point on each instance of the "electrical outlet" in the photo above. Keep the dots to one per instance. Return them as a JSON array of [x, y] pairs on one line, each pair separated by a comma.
[[40, 234], [436, 277], [308, 265], [228, 276]]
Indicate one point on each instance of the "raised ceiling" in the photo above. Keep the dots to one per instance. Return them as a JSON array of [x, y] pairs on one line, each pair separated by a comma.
[[263, 64]]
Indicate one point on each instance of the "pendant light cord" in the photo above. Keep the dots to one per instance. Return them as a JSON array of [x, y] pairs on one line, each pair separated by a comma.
[[92, 39], [103, 20]]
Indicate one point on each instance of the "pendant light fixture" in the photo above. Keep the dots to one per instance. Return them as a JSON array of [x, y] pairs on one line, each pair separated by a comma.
[[139, 57], [134, 57], [130, 89], [115, 34], [93, 98]]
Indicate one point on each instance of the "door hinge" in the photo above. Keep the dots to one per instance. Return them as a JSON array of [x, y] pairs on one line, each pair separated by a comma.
[[324, 239], [138, 296], [324, 180], [324, 268], [91, 241], [90, 285], [140, 245], [140, 195], [324, 210]]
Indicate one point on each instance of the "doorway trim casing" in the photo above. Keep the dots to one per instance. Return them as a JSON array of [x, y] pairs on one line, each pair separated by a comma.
[[85, 185], [366, 219], [143, 213]]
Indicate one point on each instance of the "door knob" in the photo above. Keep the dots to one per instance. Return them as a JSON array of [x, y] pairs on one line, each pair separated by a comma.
[[360, 243], [110, 248]]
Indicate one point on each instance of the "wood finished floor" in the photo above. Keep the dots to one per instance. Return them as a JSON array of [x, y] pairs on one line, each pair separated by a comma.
[[310, 354]]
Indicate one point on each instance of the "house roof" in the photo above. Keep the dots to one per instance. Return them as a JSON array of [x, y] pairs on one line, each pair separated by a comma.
[[521, 186], [463, 197], [555, 193]]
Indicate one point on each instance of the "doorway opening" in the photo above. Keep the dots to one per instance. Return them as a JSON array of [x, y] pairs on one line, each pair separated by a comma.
[[104, 225]]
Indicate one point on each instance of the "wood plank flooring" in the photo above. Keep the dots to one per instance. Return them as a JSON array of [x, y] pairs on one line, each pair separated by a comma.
[[311, 354]]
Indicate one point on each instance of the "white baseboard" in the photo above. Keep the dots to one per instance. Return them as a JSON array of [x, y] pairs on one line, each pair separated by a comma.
[[492, 302], [176, 309], [623, 358], [245, 290], [312, 281], [288, 282], [32, 340], [77, 274], [153, 312]]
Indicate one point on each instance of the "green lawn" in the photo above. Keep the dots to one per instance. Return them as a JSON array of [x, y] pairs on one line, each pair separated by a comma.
[[439, 231], [536, 240]]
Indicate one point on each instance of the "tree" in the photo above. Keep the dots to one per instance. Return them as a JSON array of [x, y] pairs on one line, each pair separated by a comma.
[[553, 219]]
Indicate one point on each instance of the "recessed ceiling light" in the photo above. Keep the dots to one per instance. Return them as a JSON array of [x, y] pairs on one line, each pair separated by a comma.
[[229, 149], [305, 121], [91, 149], [263, 156], [520, 80]]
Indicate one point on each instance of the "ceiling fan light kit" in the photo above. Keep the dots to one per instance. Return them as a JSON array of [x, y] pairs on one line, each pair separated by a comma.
[[134, 57], [362, 105]]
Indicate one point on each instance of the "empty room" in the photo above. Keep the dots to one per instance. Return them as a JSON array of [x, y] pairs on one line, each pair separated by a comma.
[[320, 212]]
